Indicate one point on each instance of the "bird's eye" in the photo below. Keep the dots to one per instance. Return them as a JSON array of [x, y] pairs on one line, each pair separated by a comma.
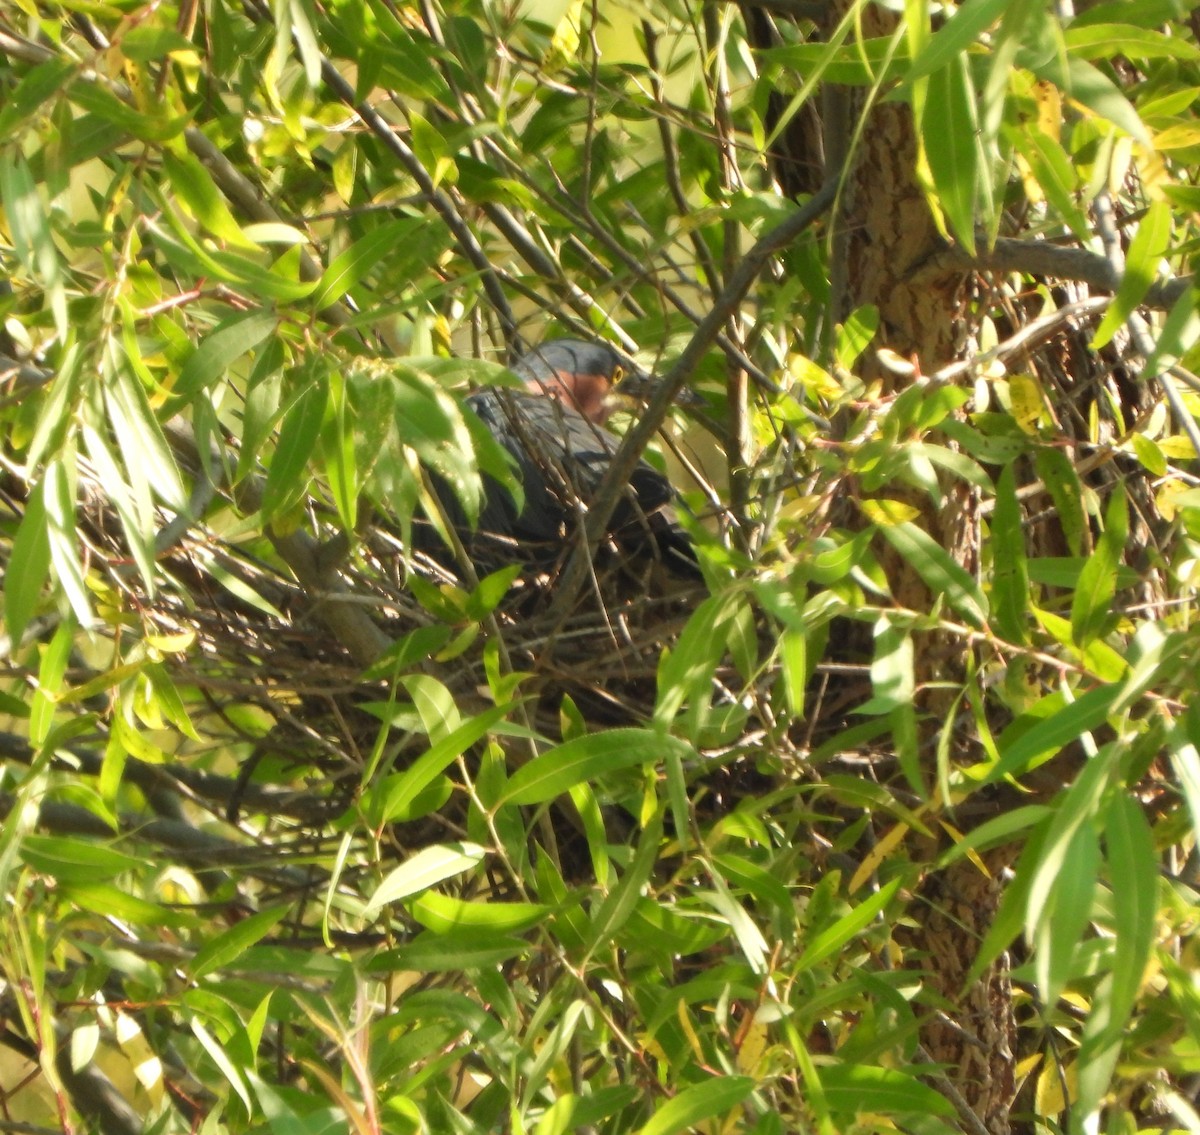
[[617, 374]]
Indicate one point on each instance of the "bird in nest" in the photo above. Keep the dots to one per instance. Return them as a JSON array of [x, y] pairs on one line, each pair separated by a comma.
[[553, 428]]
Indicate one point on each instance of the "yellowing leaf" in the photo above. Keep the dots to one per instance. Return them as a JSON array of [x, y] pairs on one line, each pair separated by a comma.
[[887, 512], [1028, 405]]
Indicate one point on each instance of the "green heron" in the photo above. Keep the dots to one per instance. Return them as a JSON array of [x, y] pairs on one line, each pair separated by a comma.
[[553, 428]]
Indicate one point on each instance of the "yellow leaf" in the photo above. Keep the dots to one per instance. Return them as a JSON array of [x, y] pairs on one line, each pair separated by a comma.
[[1028, 405], [888, 512], [882, 850], [753, 1045], [1049, 1098]]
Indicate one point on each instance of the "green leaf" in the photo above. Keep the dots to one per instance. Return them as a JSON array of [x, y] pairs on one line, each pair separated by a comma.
[[697, 1103], [144, 44], [1103, 41], [29, 227], [390, 797], [110, 902], [286, 478], [585, 758], [59, 498], [28, 568], [353, 265], [685, 672], [852, 1089], [949, 124], [75, 860], [937, 569], [1057, 918], [621, 899], [1058, 475], [855, 335], [1089, 87], [194, 187], [952, 40], [1010, 573], [1133, 877], [1085, 713], [465, 949], [423, 870], [1150, 242], [228, 946], [222, 347], [1091, 605], [444, 914], [833, 938], [1055, 173], [1179, 335], [147, 125], [39, 85]]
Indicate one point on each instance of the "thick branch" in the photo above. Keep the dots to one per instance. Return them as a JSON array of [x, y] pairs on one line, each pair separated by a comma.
[[1041, 258]]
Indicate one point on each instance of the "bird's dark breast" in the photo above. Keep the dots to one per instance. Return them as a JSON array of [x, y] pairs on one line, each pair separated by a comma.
[[560, 460]]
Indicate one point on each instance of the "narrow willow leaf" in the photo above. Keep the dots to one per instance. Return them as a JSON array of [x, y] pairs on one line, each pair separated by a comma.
[[1085, 713], [228, 946], [37, 87], [953, 38], [196, 190], [29, 227], [28, 568], [1059, 477], [59, 491], [390, 797], [352, 266], [1089, 86], [444, 914], [851, 1089], [948, 126], [1133, 877], [149, 124], [1150, 242], [693, 1105], [1055, 174], [1056, 925], [893, 680], [1091, 605], [1103, 41], [618, 904], [465, 949], [685, 672], [112, 480], [287, 478], [848, 927], [223, 346], [423, 870], [338, 456], [585, 758], [75, 860], [222, 1060], [1179, 335], [936, 567], [1010, 574]]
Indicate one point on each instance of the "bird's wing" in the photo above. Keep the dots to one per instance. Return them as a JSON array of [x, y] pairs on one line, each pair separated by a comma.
[[561, 459]]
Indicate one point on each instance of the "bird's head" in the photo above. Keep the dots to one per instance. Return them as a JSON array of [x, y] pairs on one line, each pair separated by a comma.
[[578, 374]]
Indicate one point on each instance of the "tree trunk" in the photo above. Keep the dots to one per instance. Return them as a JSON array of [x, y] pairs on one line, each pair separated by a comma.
[[889, 243]]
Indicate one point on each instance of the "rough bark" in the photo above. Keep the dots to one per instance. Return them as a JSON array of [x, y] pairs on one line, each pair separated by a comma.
[[890, 245]]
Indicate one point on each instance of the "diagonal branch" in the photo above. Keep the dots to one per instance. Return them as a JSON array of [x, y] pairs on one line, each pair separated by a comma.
[[616, 479]]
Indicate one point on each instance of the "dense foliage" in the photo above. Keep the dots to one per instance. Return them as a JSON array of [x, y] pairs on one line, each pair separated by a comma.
[[890, 824]]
